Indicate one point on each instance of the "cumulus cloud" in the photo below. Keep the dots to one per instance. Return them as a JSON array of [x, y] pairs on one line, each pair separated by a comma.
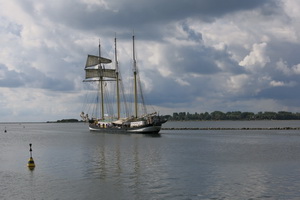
[[256, 58], [289, 71]]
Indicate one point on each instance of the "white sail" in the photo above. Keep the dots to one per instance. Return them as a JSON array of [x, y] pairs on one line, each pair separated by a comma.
[[94, 72], [95, 60]]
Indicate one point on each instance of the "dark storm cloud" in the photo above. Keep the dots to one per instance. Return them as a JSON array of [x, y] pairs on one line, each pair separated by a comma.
[[285, 50], [198, 60], [11, 78], [141, 15], [288, 96], [32, 78], [162, 11], [176, 95]]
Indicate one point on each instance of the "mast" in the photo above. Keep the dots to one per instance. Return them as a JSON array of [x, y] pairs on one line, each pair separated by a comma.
[[101, 83], [117, 79], [95, 72], [135, 80]]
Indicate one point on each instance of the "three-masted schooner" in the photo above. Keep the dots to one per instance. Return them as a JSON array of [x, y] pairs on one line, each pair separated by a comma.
[[95, 71]]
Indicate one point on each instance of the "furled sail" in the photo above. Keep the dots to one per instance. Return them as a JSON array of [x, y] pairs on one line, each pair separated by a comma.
[[96, 60]]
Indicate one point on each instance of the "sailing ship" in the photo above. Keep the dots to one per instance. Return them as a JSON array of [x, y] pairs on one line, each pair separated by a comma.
[[96, 71]]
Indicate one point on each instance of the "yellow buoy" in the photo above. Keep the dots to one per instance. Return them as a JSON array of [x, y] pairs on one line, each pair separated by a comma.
[[30, 163]]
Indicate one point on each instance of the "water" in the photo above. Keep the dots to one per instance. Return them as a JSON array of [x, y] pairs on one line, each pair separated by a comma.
[[73, 163]]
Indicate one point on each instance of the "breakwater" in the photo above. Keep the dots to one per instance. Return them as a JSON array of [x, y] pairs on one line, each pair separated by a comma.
[[220, 128]]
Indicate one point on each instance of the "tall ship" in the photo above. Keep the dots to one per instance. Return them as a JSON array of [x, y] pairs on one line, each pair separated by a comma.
[[107, 80]]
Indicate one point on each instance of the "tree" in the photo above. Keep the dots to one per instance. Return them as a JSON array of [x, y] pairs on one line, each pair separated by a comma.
[[217, 115], [235, 115]]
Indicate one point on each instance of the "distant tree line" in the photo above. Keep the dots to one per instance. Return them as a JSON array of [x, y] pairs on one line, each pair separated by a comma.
[[67, 120], [236, 115]]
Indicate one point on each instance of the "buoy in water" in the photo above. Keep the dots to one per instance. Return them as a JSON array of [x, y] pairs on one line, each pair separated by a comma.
[[30, 164]]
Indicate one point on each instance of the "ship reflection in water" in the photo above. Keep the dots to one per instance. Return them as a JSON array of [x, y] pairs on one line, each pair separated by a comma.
[[124, 159]]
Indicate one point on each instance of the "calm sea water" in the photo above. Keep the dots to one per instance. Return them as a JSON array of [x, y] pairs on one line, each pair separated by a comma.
[[73, 163]]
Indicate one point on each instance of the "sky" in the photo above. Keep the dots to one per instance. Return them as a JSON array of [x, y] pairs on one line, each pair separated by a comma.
[[193, 55]]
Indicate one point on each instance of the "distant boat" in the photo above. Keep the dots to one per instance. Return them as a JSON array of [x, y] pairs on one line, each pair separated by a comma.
[[97, 72]]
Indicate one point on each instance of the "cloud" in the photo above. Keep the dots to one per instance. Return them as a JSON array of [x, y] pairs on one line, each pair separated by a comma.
[[193, 56], [289, 71], [256, 58]]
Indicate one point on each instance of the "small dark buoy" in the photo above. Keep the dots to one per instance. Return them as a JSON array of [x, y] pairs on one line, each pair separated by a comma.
[[30, 163], [5, 130]]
